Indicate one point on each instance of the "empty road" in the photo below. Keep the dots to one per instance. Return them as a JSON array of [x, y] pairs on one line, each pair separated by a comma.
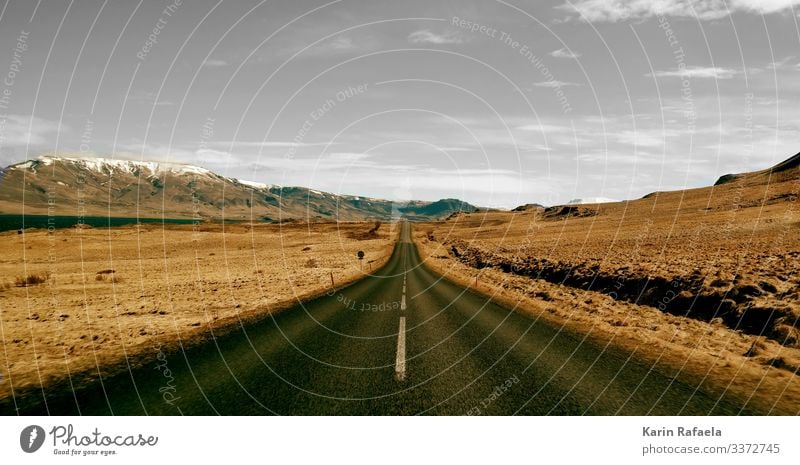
[[402, 341]]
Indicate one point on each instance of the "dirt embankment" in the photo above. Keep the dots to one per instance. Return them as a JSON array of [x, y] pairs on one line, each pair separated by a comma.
[[755, 308]]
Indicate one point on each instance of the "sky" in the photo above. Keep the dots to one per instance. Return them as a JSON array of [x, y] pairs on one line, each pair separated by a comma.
[[496, 103]]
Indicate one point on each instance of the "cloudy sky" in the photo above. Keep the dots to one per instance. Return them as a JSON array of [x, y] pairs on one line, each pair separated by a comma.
[[497, 103]]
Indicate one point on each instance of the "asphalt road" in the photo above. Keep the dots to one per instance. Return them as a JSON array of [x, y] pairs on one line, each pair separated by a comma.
[[400, 342]]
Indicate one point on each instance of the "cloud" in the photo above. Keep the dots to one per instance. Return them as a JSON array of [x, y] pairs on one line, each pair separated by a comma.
[[214, 158], [455, 149], [458, 182], [212, 63], [425, 36], [328, 166], [138, 150], [340, 45], [265, 144], [641, 138], [554, 84], [697, 72], [621, 10], [298, 44], [782, 64], [564, 53], [21, 131], [347, 156], [148, 98], [544, 128]]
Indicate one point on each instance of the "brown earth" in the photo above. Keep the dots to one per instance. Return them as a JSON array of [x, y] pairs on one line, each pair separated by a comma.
[[704, 281], [82, 300]]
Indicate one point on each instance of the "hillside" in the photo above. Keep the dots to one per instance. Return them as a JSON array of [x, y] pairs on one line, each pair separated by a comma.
[[705, 280], [72, 185], [786, 170]]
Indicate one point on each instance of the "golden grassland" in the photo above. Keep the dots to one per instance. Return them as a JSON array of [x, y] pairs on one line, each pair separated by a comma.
[[78, 301], [704, 284]]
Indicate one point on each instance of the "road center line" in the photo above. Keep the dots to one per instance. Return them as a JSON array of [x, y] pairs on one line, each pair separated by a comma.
[[403, 295], [400, 362]]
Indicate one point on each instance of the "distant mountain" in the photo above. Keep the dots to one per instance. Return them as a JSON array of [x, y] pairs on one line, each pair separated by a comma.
[[92, 186], [436, 209], [590, 200], [528, 207]]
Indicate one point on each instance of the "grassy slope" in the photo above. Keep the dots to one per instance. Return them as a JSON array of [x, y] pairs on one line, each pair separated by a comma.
[[725, 240]]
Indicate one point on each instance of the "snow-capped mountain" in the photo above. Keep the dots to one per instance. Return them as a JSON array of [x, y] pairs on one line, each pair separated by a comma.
[[109, 165], [72, 185]]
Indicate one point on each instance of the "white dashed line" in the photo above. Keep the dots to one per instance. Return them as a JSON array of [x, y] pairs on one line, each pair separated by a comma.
[[400, 362], [403, 303]]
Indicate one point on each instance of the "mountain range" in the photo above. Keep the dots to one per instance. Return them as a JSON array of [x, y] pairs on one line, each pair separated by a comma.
[[92, 186], [71, 185]]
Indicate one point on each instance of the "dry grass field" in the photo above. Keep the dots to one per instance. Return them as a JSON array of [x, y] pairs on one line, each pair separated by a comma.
[[705, 282], [81, 300]]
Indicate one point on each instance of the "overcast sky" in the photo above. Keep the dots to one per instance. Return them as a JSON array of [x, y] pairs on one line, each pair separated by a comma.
[[496, 103]]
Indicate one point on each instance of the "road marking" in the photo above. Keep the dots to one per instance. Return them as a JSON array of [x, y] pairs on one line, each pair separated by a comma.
[[403, 297], [400, 362]]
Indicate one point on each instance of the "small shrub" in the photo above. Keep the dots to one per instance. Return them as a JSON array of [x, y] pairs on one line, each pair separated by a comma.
[[311, 263], [30, 280], [361, 235], [107, 274]]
